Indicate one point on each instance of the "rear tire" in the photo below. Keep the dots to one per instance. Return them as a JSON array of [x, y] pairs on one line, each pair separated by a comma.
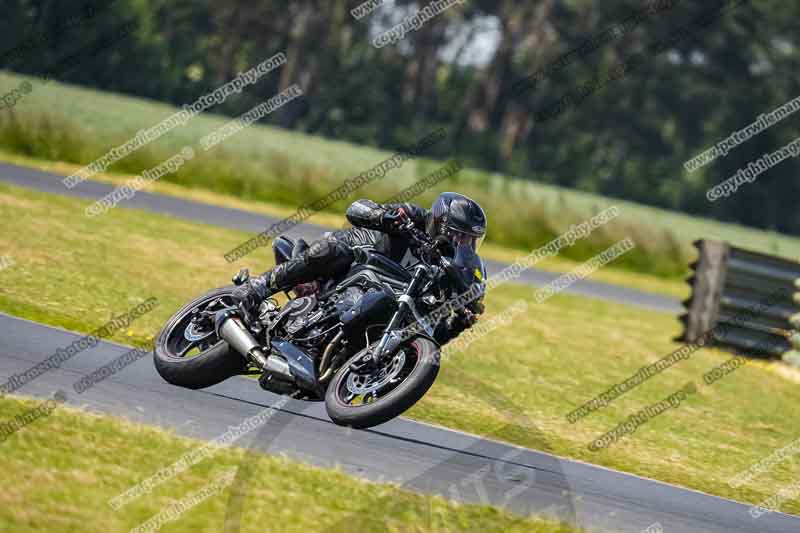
[[396, 402], [212, 366]]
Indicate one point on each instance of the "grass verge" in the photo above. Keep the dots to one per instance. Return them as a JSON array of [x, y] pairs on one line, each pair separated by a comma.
[[60, 471], [675, 288], [63, 123], [516, 384]]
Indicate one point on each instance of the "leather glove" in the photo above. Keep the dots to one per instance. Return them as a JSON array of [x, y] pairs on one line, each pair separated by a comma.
[[464, 319], [395, 219], [477, 308]]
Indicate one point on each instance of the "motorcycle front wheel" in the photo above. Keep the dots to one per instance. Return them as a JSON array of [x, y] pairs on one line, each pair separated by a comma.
[[366, 400]]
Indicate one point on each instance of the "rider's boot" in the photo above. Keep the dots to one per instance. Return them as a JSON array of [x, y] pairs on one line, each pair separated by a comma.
[[249, 295], [283, 277]]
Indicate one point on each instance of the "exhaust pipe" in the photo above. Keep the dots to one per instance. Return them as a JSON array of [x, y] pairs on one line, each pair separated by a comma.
[[290, 364], [232, 331]]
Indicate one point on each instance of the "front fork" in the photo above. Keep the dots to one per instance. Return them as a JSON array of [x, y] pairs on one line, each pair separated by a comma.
[[392, 338]]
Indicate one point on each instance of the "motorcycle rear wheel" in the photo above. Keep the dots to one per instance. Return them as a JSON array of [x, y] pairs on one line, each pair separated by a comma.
[[173, 354]]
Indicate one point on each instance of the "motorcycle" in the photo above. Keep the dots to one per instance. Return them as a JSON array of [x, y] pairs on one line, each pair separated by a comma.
[[361, 342]]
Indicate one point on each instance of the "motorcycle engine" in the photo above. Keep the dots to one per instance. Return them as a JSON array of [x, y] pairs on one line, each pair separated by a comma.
[[303, 313], [298, 314]]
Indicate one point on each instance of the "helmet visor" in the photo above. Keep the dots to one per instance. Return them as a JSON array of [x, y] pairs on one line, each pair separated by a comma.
[[466, 247], [465, 240]]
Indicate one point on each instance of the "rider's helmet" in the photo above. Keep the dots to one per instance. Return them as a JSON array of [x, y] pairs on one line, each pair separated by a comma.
[[459, 223]]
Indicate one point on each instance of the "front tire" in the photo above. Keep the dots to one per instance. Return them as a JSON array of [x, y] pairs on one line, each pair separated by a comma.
[[416, 380], [215, 362]]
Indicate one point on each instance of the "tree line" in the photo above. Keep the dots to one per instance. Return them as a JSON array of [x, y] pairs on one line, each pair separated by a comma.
[[610, 97]]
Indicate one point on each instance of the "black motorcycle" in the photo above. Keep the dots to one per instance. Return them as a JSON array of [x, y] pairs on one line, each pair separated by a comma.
[[361, 342]]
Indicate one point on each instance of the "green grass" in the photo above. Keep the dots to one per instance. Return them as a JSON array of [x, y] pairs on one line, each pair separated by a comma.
[[75, 125], [673, 287], [516, 384], [60, 471]]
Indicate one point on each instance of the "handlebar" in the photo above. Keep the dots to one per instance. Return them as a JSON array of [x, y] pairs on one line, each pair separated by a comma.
[[428, 245], [421, 239]]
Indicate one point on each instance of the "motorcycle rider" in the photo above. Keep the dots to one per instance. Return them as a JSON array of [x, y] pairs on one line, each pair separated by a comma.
[[455, 222]]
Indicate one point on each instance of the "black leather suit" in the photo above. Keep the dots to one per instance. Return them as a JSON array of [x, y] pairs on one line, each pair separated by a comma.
[[333, 255]]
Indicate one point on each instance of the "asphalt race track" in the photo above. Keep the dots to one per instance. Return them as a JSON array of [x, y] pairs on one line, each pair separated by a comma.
[[255, 223], [420, 456]]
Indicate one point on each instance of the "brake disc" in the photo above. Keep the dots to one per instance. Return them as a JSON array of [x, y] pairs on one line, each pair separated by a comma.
[[362, 384]]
